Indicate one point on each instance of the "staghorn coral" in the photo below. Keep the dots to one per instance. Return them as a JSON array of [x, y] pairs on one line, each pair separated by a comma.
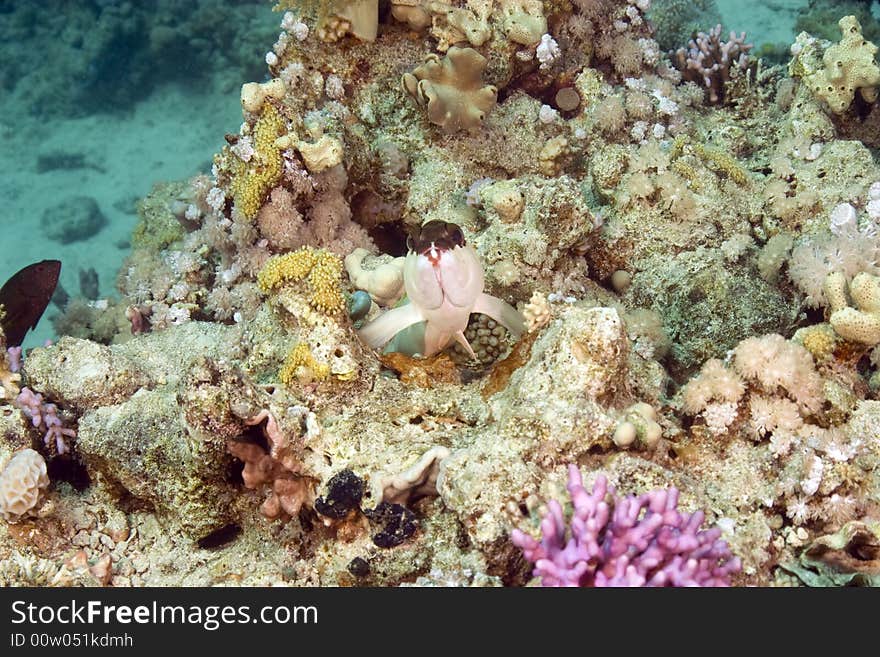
[[44, 417], [10, 364], [319, 267], [451, 89], [710, 62]]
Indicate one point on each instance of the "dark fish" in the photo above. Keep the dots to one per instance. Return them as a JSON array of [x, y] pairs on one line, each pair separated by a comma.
[[24, 298]]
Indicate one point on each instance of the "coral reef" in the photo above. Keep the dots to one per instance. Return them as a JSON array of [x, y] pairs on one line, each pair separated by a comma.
[[683, 244]]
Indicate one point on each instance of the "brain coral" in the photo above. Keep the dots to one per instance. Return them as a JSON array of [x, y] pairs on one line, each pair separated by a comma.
[[22, 481]]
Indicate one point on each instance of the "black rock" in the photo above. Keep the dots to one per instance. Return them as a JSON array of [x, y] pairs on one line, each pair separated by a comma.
[[73, 219], [395, 524], [344, 493], [359, 567]]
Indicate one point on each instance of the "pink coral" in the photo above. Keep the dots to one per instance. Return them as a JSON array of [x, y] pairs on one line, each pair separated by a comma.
[[626, 541], [44, 416], [280, 469]]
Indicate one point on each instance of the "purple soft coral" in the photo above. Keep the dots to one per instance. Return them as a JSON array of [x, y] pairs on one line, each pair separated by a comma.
[[44, 416], [617, 545]]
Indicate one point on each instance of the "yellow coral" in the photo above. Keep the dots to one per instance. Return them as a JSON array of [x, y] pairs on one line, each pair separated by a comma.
[[301, 367], [848, 66], [324, 272], [253, 180], [820, 340]]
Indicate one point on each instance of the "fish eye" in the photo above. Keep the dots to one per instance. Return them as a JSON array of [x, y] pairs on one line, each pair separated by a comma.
[[457, 236]]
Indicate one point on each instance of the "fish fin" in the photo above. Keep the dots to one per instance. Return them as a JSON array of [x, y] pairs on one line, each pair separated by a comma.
[[389, 324], [502, 312], [435, 339], [459, 337]]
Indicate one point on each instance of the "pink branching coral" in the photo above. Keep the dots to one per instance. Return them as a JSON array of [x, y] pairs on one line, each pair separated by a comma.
[[44, 416], [708, 60], [626, 541]]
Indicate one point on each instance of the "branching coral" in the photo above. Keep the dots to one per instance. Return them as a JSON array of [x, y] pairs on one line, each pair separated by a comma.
[[626, 541], [709, 62], [451, 89], [44, 416], [10, 364], [322, 269]]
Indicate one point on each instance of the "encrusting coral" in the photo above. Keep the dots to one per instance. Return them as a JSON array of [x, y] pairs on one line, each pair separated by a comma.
[[258, 166], [846, 68]]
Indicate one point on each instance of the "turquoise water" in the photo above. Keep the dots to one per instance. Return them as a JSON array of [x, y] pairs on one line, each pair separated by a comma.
[[102, 100]]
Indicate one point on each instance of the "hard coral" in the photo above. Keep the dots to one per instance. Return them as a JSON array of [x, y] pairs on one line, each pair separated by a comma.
[[22, 482], [862, 323], [451, 89], [629, 541], [322, 268], [708, 61], [254, 177], [848, 67]]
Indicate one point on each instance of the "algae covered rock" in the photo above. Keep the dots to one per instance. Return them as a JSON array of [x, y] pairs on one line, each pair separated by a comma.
[[83, 374], [708, 307], [144, 448]]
